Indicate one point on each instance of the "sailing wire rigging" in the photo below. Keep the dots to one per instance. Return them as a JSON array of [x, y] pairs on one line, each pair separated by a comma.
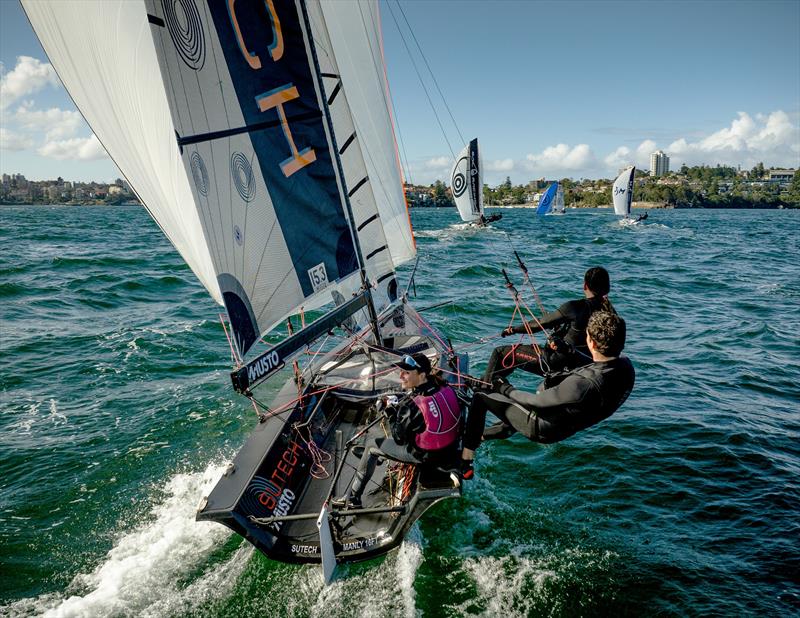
[[419, 75]]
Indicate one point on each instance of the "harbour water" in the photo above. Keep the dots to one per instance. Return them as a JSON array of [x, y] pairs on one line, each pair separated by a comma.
[[118, 416]]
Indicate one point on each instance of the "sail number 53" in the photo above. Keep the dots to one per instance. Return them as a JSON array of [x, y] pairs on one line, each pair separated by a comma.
[[318, 276]]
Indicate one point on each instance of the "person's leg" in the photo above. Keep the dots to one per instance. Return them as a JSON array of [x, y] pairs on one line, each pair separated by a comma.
[[380, 447], [367, 461], [476, 419], [506, 359], [512, 416]]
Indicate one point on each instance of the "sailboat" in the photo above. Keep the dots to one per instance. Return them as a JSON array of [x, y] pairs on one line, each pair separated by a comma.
[[258, 136], [466, 182], [622, 193], [547, 199]]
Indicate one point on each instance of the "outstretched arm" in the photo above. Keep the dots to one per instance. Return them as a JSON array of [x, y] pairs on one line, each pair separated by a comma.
[[572, 390], [548, 320]]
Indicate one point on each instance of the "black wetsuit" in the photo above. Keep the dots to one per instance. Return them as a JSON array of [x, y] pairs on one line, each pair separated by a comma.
[[570, 321], [573, 400]]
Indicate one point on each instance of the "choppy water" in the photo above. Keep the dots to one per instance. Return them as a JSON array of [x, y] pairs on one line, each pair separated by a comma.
[[117, 417]]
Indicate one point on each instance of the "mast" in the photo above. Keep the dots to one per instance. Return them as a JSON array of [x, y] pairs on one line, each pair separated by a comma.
[[373, 316]]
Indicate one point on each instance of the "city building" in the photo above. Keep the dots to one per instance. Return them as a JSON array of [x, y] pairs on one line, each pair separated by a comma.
[[780, 175], [659, 163]]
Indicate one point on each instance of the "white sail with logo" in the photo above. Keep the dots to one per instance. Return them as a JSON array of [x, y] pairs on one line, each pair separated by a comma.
[[293, 188], [467, 183], [622, 192], [104, 55]]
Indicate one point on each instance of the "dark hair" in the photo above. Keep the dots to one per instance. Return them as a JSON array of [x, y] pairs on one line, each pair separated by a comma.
[[599, 283], [607, 331]]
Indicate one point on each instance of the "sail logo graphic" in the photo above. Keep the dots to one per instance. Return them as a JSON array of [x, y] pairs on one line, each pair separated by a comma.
[[277, 97], [264, 365], [243, 178], [199, 173], [620, 190], [459, 179], [186, 31]]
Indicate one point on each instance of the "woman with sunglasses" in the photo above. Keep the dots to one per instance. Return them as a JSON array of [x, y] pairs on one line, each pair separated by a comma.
[[425, 425]]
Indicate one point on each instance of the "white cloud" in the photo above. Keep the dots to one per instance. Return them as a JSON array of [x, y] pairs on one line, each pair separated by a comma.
[[83, 149], [619, 158], [771, 139], [14, 141], [643, 152], [438, 163], [561, 160], [500, 165], [29, 76], [56, 123]]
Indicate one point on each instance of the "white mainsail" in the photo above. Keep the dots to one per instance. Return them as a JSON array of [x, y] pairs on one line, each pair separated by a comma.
[[355, 33], [467, 183], [104, 55], [275, 158], [558, 202], [622, 192]]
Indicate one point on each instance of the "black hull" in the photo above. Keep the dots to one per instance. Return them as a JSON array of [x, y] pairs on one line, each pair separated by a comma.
[[274, 490]]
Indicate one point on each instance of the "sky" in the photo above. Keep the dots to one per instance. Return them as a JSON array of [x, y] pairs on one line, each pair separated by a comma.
[[550, 89]]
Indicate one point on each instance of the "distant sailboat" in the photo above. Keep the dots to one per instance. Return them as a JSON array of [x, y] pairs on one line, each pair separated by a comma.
[[466, 182], [622, 193], [547, 199], [258, 135]]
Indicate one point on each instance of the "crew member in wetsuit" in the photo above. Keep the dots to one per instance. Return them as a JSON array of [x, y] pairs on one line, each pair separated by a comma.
[[569, 402], [568, 349], [425, 425], [642, 217], [484, 221]]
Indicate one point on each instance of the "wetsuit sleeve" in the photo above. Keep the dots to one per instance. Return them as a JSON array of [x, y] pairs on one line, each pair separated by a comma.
[[572, 390], [548, 320]]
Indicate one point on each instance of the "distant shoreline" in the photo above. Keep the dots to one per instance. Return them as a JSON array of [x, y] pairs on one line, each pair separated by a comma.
[[635, 206]]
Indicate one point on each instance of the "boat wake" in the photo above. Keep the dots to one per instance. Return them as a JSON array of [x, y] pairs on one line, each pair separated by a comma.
[[456, 231], [163, 568], [140, 575]]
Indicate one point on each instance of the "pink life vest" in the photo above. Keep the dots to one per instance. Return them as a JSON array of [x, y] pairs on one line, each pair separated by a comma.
[[442, 415]]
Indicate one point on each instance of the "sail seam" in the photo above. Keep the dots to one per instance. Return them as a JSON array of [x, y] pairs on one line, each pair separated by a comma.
[[177, 112], [209, 20]]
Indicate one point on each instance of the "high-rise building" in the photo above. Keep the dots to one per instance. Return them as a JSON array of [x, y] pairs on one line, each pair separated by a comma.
[[659, 163]]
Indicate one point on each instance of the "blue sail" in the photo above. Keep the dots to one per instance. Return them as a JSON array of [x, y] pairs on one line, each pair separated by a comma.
[[546, 203]]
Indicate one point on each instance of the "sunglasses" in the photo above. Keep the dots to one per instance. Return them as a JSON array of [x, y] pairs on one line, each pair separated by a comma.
[[409, 360]]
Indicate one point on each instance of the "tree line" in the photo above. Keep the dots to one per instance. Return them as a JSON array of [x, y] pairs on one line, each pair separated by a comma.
[[700, 186]]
